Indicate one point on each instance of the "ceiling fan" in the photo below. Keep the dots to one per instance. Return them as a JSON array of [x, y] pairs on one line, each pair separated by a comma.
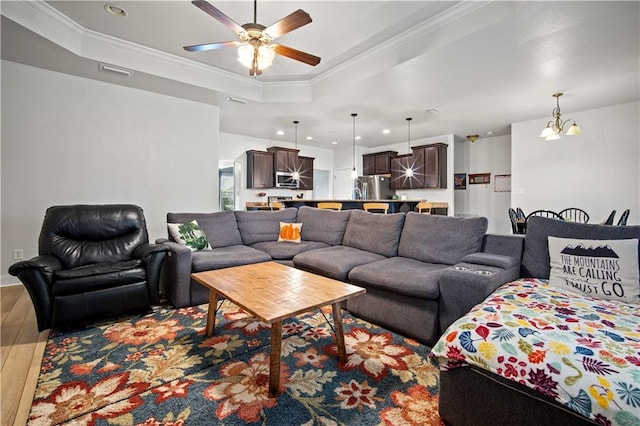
[[256, 48]]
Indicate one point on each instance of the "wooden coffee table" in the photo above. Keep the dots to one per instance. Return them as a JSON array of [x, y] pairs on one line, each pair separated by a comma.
[[273, 292]]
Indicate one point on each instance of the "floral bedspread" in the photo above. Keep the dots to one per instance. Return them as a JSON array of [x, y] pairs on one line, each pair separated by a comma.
[[583, 352]]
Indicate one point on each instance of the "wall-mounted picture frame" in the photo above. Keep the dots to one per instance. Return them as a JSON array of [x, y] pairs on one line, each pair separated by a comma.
[[460, 181], [479, 178], [502, 183]]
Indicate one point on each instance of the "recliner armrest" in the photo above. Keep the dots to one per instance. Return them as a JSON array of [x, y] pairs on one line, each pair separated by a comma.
[[45, 264], [153, 256], [144, 250]]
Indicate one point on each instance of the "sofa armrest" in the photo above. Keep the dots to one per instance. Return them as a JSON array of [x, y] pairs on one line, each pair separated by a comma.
[[175, 276], [489, 259], [464, 285]]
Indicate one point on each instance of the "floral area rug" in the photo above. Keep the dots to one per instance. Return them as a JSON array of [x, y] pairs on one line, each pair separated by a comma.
[[160, 369]]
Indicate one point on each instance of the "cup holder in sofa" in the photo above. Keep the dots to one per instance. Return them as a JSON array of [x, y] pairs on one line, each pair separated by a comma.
[[460, 268], [484, 272]]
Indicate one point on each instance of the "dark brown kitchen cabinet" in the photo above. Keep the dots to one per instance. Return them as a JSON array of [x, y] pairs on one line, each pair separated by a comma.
[[306, 173], [435, 165], [259, 169], [285, 159], [378, 163], [400, 164]]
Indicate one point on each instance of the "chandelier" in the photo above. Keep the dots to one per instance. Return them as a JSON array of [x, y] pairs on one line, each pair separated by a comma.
[[556, 127], [354, 173]]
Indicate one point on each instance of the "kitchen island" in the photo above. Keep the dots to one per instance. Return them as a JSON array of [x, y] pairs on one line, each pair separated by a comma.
[[395, 206]]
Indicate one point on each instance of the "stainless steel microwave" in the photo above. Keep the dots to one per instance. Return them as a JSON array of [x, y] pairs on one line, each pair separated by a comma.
[[286, 180]]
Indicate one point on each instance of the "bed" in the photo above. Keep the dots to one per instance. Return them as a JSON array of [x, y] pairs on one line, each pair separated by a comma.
[[532, 353]]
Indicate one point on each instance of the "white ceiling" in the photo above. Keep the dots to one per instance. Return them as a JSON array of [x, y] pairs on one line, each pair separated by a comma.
[[483, 65]]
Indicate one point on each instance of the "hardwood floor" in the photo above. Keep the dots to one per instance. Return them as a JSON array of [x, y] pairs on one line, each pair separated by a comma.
[[21, 353]]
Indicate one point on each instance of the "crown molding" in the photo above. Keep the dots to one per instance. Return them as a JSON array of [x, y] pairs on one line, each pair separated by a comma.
[[48, 22]]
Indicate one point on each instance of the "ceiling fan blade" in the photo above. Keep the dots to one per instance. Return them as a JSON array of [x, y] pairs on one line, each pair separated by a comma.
[[289, 23], [298, 55], [219, 15], [211, 46]]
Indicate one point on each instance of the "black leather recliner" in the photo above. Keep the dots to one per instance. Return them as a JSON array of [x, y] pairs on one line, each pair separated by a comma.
[[94, 260]]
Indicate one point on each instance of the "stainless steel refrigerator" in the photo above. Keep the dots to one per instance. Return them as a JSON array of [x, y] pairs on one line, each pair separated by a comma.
[[376, 187]]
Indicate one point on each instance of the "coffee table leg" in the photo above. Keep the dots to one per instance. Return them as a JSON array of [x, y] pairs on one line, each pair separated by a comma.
[[337, 323], [274, 359], [211, 313]]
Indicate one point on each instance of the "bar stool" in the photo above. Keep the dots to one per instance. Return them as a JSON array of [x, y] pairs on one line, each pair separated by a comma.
[[331, 206], [424, 207], [376, 206]]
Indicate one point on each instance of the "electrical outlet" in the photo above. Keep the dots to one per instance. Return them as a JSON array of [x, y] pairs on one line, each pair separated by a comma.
[[18, 254]]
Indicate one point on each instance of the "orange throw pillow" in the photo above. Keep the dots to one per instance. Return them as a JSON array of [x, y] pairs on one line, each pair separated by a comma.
[[290, 232]]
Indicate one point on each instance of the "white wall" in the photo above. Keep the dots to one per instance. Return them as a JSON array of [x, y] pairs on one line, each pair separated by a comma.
[[596, 171], [486, 155], [68, 140], [233, 147]]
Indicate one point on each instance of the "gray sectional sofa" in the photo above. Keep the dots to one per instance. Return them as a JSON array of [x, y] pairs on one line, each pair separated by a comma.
[[421, 272]]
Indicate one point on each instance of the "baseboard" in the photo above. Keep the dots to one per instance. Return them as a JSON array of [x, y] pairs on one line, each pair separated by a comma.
[[7, 280]]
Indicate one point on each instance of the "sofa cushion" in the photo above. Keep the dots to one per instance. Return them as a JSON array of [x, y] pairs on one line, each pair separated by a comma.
[[221, 227], [535, 259], [257, 226], [224, 257], [374, 232], [323, 225], [286, 251], [189, 234], [400, 275], [334, 262], [98, 276], [441, 239]]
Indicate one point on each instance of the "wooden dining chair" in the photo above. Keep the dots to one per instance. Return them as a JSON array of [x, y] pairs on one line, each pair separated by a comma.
[[276, 205], [330, 206], [574, 214], [623, 218], [424, 207], [609, 219], [513, 218], [376, 206], [545, 213]]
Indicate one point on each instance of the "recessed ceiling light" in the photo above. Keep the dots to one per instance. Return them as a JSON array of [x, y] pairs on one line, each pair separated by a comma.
[[386, 131], [358, 138], [489, 133], [280, 133], [432, 111], [114, 10], [309, 138], [334, 143]]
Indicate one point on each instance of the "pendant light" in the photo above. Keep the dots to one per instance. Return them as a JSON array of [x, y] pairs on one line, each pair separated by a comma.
[[408, 172], [354, 173], [296, 173]]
